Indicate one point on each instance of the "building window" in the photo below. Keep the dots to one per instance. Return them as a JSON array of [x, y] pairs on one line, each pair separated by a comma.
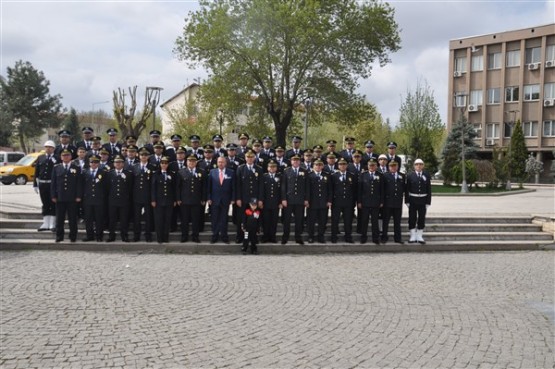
[[478, 130], [549, 91], [530, 129], [494, 61], [513, 58], [494, 95], [460, 100], [533, 55], [460, 65], [507, 130], [550, 53], [549, 128], [477, 63], [492, 130], [476, 97], [511, 94], [531, 92]]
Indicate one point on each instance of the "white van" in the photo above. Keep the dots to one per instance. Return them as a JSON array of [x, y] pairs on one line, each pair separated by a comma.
[[10, 157]]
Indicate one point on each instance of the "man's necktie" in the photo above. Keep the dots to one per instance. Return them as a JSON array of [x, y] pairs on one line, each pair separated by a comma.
[[221, 177]]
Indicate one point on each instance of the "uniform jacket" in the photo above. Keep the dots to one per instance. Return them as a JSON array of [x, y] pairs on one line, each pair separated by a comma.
[[247, 182], [130, 164], [294, 188], [95, 190], [163, 188], [418, 186], [119, 187], [344, 191], [367, 156], [115, 150], [270, 190], [371, 189], [320, 193], [207, 166], [44, 168], [141, 183], [66, 184], [291, 152], [83, 165], [233, 163], [199, 153], [174, 166], [352, 167], [191, 188], [394, 190], [59, 148]]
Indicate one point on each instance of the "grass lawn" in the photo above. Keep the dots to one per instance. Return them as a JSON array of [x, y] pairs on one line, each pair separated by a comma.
[[474, 189]]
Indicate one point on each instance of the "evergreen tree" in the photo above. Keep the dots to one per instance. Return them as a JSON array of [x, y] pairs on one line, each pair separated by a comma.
[[28, 103], [518, 154], [452, 150], [71, 123]]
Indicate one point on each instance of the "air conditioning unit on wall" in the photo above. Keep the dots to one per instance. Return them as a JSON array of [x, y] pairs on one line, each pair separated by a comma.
[[472, 107], [490, 142], [549, 102], [457, 74], [550, 64], [533, 66]]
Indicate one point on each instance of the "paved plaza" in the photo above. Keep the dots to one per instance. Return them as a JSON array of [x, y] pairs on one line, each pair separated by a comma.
[[447, 310]]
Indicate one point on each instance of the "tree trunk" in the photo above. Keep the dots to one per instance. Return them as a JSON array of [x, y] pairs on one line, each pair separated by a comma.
[[22, 143], [281, 126]]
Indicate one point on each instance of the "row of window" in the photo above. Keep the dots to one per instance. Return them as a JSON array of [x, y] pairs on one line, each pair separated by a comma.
[[512, 59], [512, 94], [530, 129]]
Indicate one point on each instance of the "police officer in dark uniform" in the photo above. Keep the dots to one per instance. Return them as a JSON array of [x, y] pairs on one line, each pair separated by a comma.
[[195, 149], [162, 199], [41, 183], [131, 158], [142, 174], [319, 201], [171, 152], [95, 191], [418, 196], [218, 149], [95, 147], [344, 188], [243, 145], [247, 186], [233, 160], [368, 153], [208, 162], [120, 184], [158, 153], [348, 152], [105, 162], [370, 201], [392, 154], [257, 149], [81, 160], [86, 142], [191, 198], [154, 139], [308, 160], [270, 201], [66, 192], [112, 146], [282, 162], [267, 151], [179, 161], [382, 164], [330, 150], [331, 164], [394, 192], [294, 198], [295, 149], [65, 136], [355, 166]]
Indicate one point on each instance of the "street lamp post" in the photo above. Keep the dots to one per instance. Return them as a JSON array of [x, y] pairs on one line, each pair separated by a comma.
[[306, 107], [153, 96], [92, 113], [221, 119]]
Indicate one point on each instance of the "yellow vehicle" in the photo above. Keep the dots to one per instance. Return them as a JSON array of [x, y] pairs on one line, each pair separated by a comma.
[[21, 172]]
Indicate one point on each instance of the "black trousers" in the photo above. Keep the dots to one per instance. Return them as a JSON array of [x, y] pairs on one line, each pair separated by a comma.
[[69, 208], [120, 213], [138, 214], [270, 218], [417, 212], [219, 220], [190, 214], [298, 212], [163, 214], [94, 220], [336, 212], [319, 216], [240, 217], [387, 214], [48, 207], [369, 214]]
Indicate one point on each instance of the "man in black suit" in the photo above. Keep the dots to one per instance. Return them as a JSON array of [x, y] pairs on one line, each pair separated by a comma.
[[331, 164], [270, 201], [154, 139], [418, 196], [344, 188], [243, 145], [112, 146], [267, 151], [319, 201], [368, 153], [332, 144], [65, 136], [348, 151], [220, 194], [66, 191], [233, 160], [294, 199], [392, 154], [217, 141], [195, 149], [296, 149], [308, 160], [394, 192], [171, 152], [162, 199], [370, 201], [156, 158], [382, 164], [281, 161], [191, 198], [247, 186], [86, 142], [120, 184], [208, 162], [142, 175], [95, 190]]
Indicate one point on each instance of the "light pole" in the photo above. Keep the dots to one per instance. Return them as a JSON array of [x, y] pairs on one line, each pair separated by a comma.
[[153, 97], [92, 113], [306, 107], [220, 119], [464, 186]]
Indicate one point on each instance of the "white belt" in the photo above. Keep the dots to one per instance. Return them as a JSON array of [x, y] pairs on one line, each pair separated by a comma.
[[418, 194], [44, 181]]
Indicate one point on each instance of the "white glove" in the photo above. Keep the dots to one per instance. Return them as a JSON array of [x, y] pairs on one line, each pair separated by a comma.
[[408, 205], [36, 189], [427, 206]]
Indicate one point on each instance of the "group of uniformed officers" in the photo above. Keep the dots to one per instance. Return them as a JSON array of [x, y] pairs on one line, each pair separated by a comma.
[[154, 186]]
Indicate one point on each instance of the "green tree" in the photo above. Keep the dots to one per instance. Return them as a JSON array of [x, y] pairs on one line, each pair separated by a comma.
[[27, 102], [452, 150], [420, 128], [518, 155], [284, 51], [71, 123]]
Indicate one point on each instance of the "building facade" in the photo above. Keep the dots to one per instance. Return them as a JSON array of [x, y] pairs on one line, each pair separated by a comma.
[[498, 79]]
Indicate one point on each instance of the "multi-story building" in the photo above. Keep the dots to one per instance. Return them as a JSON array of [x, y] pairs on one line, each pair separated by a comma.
[[497, 79]]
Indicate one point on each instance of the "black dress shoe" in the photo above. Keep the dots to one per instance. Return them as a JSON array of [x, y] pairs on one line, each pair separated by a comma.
[[184, 239], [300, 242], [99, 239], [225, 240], [283, 242], [87, 239], [321, 240], [196, 240], [238, 240], [422, 242], [43, 229], [311, 240], [363, 240], [334, 240], [213, 240], [59, 239], [377, 242], [72, 240], [400, 242], [349, 240], [111, 239], [273, 240]]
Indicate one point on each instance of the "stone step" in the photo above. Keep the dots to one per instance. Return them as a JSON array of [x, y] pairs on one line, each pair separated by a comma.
[[290, 248], [16, 233]]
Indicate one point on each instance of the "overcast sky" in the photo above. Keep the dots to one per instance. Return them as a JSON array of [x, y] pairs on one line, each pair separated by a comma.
[[89, 48]]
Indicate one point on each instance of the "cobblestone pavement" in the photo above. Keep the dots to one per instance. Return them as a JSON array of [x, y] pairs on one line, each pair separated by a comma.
[[93, 310]]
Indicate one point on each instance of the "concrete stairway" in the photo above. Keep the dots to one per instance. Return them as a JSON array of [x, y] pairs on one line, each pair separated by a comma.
[[19, 231]]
